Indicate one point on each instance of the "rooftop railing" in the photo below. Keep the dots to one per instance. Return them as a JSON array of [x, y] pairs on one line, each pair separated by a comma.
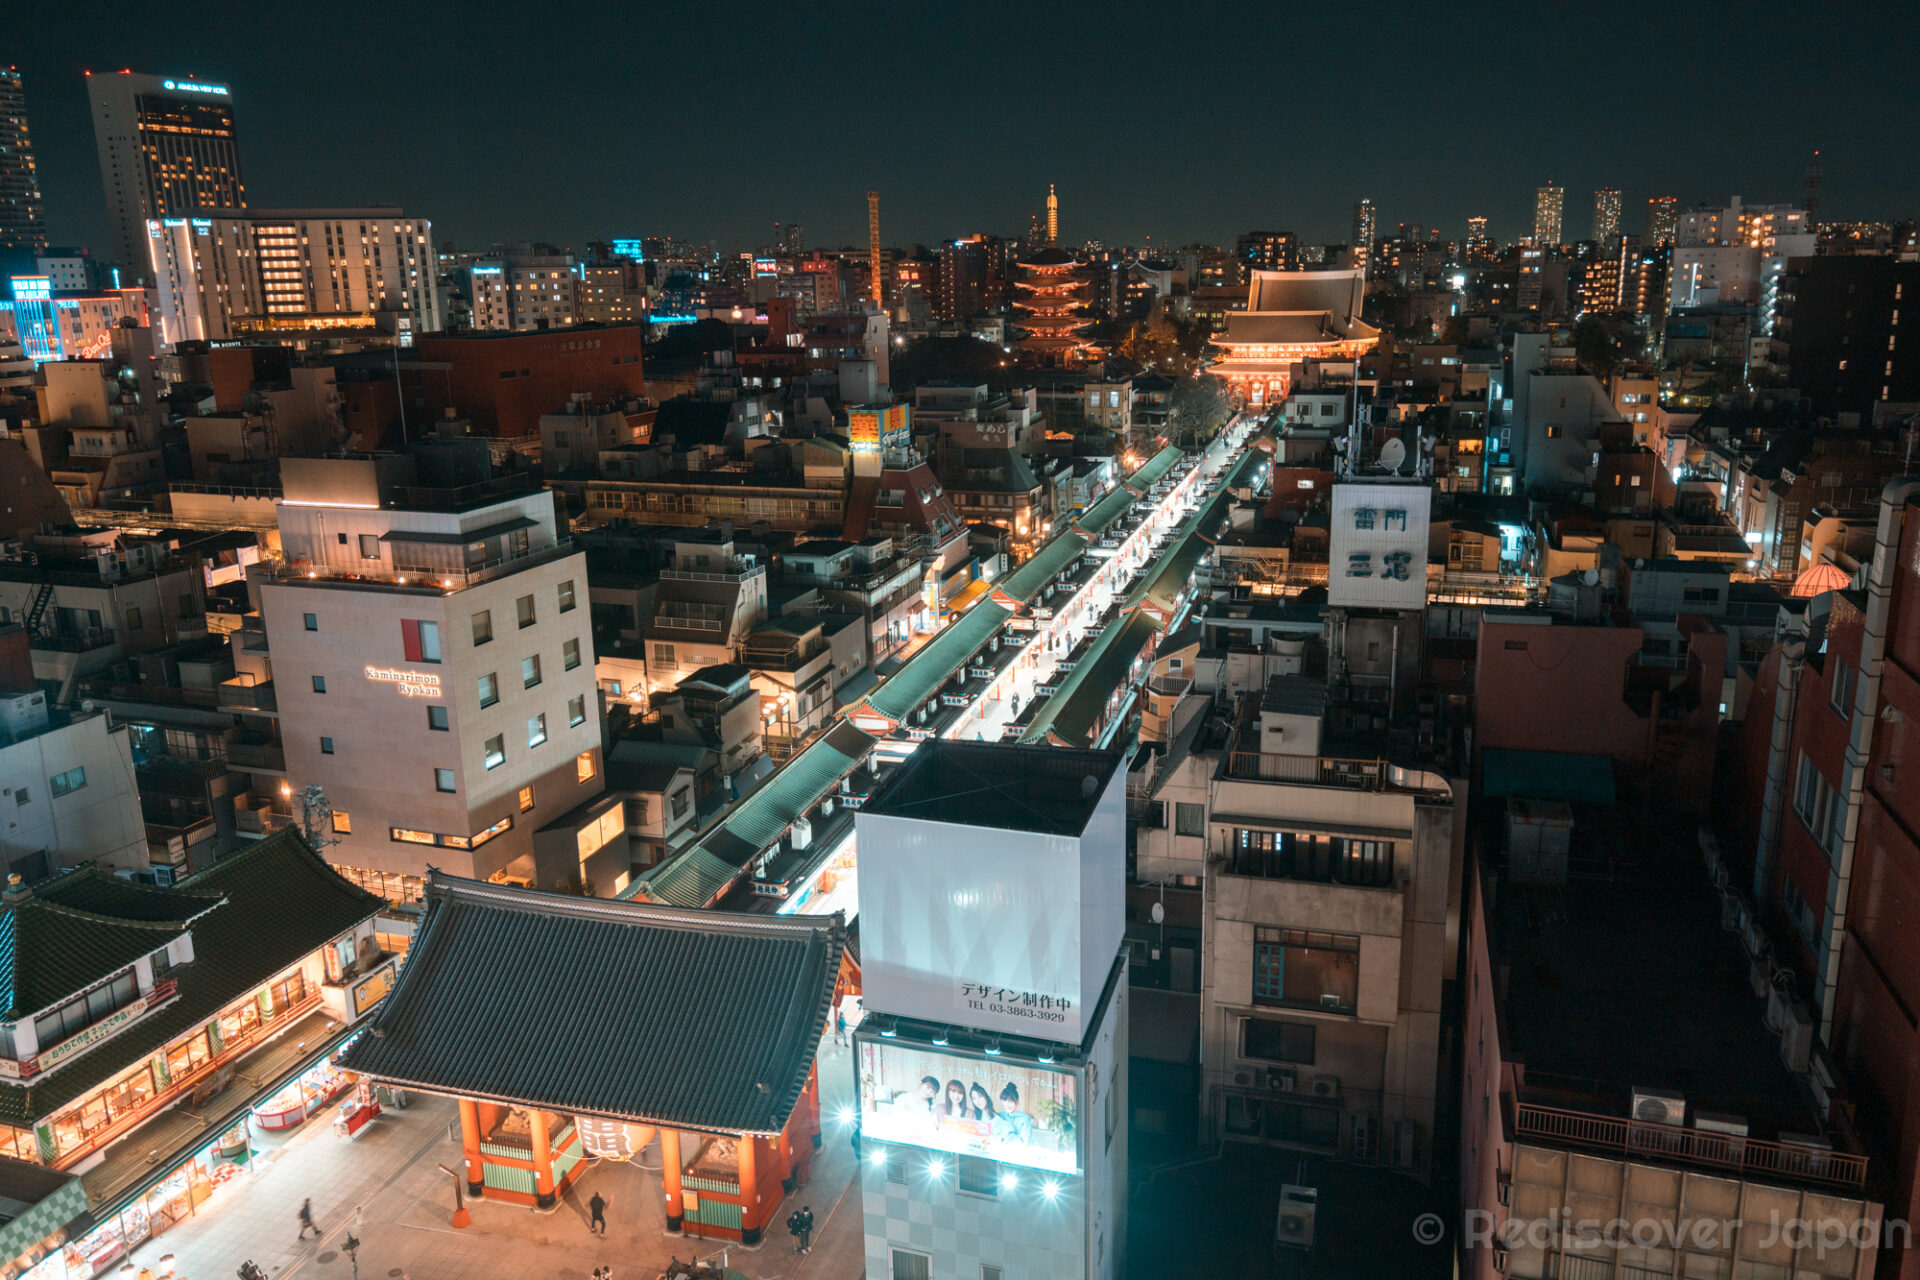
[[1748, 1156]]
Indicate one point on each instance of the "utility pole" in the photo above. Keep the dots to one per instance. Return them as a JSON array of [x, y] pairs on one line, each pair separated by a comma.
[[316, 817]]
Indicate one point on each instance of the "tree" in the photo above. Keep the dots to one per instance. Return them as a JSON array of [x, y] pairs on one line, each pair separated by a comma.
[[964, 358], [684, 347], [1197, 409], [1593, 346]]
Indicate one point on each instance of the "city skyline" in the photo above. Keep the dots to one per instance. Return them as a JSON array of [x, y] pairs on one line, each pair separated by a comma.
[[673, 161]]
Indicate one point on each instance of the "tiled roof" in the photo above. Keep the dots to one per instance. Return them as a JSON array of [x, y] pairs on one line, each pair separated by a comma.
[[700, 874], [282, 902], [49, 952], [1071, 713], [702, 1019], [936, 662]]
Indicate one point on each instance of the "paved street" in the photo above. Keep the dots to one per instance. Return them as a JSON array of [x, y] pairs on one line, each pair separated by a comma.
[[389, 1175]]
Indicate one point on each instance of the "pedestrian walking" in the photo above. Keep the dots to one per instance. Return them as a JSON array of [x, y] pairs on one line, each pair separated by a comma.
[[806, 1228], [840, 1026], [598, 1209], [306, 1220]]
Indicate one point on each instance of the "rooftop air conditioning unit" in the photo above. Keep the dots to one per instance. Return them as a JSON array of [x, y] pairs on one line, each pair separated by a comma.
[[1752, 934], [1759, 977], [802, 832], [1326, 1086], [1282, 1079], [1362, 1139], [1243, 1078], [1293, 1228], [1804, 1153], [1729, 1140], [1659, 1106]]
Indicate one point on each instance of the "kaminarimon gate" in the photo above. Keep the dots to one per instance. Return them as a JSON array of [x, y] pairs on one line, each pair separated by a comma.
[[569, 1026]]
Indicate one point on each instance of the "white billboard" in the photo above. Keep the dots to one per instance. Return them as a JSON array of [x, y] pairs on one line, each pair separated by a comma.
[[995, 930], [1378, 546]]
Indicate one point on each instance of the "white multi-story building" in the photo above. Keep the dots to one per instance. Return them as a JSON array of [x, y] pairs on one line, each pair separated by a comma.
[[232, 272], [67, 792], [433, 661], [993, 1056], [531, 287]]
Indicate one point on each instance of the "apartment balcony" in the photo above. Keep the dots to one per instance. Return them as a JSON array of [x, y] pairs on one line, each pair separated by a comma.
[[449, 576], [1311, 771], [741, 571], [75, 641], [270, 757], [240, 692]]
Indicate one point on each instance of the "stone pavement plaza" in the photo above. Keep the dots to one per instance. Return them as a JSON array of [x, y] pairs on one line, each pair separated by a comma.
[[390, 1175]]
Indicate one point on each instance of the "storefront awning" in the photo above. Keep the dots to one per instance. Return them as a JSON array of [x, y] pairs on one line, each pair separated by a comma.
[[179, 1133]]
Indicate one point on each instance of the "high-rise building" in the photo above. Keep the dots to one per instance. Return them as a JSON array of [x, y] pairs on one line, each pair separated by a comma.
[[1363, 232], [1663, 216], [1606, 213], [1547, 204], [1838, 322], [168, 149], [963, 278], [283, 270], [23, 224], [1268, 251], [1479, 246]]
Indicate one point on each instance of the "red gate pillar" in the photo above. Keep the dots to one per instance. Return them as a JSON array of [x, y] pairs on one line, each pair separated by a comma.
[[670, 1177], [542, 1159], [470, 1146], [752, 1217]]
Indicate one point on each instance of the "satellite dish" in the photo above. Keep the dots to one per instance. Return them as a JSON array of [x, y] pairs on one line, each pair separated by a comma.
[[1158, 913], [1591, 577], [1393, 454]]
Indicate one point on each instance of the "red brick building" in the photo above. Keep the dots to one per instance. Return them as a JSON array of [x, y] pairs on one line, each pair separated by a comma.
[[1828, 804], [502, 382]]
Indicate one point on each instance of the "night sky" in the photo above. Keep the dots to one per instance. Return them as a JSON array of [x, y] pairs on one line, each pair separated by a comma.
[[1180, 122]]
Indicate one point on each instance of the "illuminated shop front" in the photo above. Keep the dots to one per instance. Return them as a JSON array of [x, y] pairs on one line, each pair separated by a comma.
[[134, 1006], [537, 1097]]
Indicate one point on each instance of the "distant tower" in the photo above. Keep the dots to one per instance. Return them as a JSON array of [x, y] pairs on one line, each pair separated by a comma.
[[1663, 216], [1363, 226], [873, 248], [1547, 203], [1479, 247], [1813, 191], [1606, 213], [23, 222], [1053, 216]]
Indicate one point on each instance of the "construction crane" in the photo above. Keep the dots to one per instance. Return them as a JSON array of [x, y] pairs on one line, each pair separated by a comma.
[[873, 248]]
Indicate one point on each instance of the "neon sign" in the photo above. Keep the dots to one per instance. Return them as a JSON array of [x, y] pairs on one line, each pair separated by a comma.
[[412, 684], [188, 86]]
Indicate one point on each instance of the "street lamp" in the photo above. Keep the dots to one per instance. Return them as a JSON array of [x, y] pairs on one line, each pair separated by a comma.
[[461, 1218]]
